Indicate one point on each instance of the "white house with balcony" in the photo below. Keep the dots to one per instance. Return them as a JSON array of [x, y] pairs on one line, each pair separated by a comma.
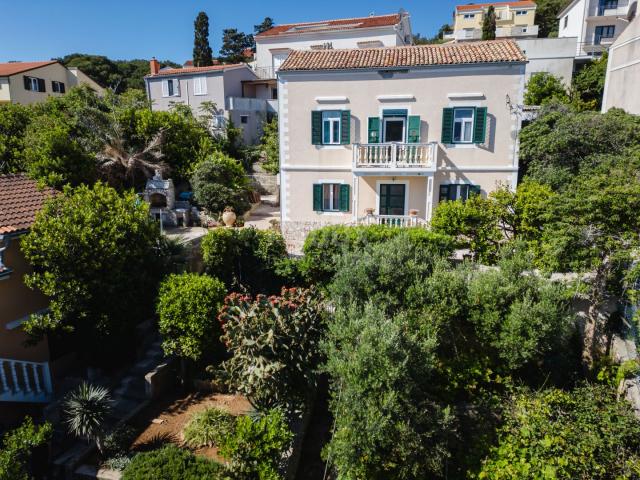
[[595, 23], [273, 45], [383, 135], [222, 86]]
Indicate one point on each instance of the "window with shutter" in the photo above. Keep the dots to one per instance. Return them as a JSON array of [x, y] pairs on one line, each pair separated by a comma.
[[27, 83], [41, 85], [317, 197], [165, 88], [447, 125], [344, 198], [461, 191], [374, 130], [345, 127], [414, 129], [480, 125], [316, 128], [444, 193]]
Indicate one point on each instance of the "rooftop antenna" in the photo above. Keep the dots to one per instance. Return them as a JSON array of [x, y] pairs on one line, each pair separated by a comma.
[[372, 14]]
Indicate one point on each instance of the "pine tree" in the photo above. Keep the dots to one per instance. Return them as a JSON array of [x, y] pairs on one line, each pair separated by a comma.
[[489, 24], [233, 45], [202, 56], [266, 24]]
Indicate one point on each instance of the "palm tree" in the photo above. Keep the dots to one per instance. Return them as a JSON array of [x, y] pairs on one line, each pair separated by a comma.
[[86, 411]]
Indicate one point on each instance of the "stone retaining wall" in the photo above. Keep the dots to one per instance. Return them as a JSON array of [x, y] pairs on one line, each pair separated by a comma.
[[295, 233]]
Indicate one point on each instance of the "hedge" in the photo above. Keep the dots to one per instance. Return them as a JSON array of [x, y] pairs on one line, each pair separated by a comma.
[[172, 463], [322, 246]]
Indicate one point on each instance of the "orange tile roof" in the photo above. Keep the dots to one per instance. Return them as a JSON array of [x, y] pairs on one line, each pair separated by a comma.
[[186, 70], [495, 51], [20, 200], [477, 6], [12, 68], [332, 25]]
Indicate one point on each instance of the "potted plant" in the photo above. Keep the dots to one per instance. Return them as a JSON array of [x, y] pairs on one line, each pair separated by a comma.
[[369, 211], [413, 212], [229, 216]]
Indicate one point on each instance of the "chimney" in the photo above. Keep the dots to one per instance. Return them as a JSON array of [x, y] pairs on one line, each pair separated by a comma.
[[154, 66]]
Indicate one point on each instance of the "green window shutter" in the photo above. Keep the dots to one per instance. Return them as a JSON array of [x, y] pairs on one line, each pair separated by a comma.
[[345, 127], [316, 128], [447, 126], [444, 193], [474, 190], [414, 129], [480, 125], [374, 130], [345, 199], [41, 85], [27, 82], [464, 192], [317, 197]]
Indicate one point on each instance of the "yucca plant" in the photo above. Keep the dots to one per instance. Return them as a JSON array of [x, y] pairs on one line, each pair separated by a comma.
[[86, 411]]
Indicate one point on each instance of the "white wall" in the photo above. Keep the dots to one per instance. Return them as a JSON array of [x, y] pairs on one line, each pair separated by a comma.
[[575, 23], [623, 72], [347, 39], [552, 55]]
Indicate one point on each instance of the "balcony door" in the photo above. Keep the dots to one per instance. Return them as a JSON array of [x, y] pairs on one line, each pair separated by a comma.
[[393, 129], [392, 199]]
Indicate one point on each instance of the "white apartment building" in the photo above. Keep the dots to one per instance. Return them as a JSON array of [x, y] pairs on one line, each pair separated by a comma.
[[595, 23], [383, 135]]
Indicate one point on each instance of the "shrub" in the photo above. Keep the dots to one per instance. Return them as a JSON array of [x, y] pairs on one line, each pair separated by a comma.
[[206, 428], [248, 259], [543, 87], [171, 463], [18, 448], [86, 410], [323, 247], [220, 181], [584, 433], [274, 346], [257, 446], [382, 273], [187, 308]]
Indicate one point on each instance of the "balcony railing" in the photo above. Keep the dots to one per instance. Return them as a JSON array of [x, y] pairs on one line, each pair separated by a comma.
[[517, 31], [394, 155], [393, 220], [622, 10], [465, 34], [22, 381], [265, 73]]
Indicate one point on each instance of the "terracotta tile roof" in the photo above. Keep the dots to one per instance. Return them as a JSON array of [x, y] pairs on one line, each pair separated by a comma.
[[187, 70], [332, 25], [12, 68], [478, 6], [496, 51], [20, 200]]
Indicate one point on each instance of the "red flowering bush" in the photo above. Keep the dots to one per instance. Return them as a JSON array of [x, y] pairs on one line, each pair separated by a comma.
[[274, 343]]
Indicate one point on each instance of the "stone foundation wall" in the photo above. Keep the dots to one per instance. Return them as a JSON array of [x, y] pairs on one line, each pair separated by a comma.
[[295, 233], [265, 183]]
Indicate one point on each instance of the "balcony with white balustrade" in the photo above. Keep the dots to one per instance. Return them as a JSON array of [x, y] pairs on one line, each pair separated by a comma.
[[23, 381], [384, 158]]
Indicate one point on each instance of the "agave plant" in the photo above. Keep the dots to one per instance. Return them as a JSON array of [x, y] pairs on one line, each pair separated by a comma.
[[86, 411]]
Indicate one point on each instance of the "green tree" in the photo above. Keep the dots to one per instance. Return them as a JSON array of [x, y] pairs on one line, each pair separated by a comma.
[[588, 85], [86, 411], [14, 120], [256, 446], [187, 309], [219, 182], [387, 423], [273, 343], [234, 44], [97, 256], [270, 145], [101, 69], [18, 447], [547, 12], [584, 433], [263, 26], [543, 87], [555, 146], [202, 56], [489, 24]]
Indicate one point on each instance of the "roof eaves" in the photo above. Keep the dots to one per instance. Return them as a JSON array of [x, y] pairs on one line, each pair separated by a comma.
[[45, 64]]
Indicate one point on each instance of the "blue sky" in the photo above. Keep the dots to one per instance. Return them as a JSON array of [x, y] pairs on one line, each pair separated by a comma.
[[126, 29]]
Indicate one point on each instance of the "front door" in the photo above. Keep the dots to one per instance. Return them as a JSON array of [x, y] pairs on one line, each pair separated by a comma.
[[394, 128], [392, 199]]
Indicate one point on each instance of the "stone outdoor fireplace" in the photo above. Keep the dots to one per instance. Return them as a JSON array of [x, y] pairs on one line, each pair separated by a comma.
[[160, 194]]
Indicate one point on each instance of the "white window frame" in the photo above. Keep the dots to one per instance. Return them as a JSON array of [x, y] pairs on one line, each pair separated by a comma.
[[395, 119], [200, 85], [55, 86], [520, 13], [244, 116], [329, 118], [463, 121], [334, 197], [469, 16], [175, 85], [35, 87]]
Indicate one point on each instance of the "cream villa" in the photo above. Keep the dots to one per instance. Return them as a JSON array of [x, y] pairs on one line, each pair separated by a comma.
[[513, 20], [383, 135]]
